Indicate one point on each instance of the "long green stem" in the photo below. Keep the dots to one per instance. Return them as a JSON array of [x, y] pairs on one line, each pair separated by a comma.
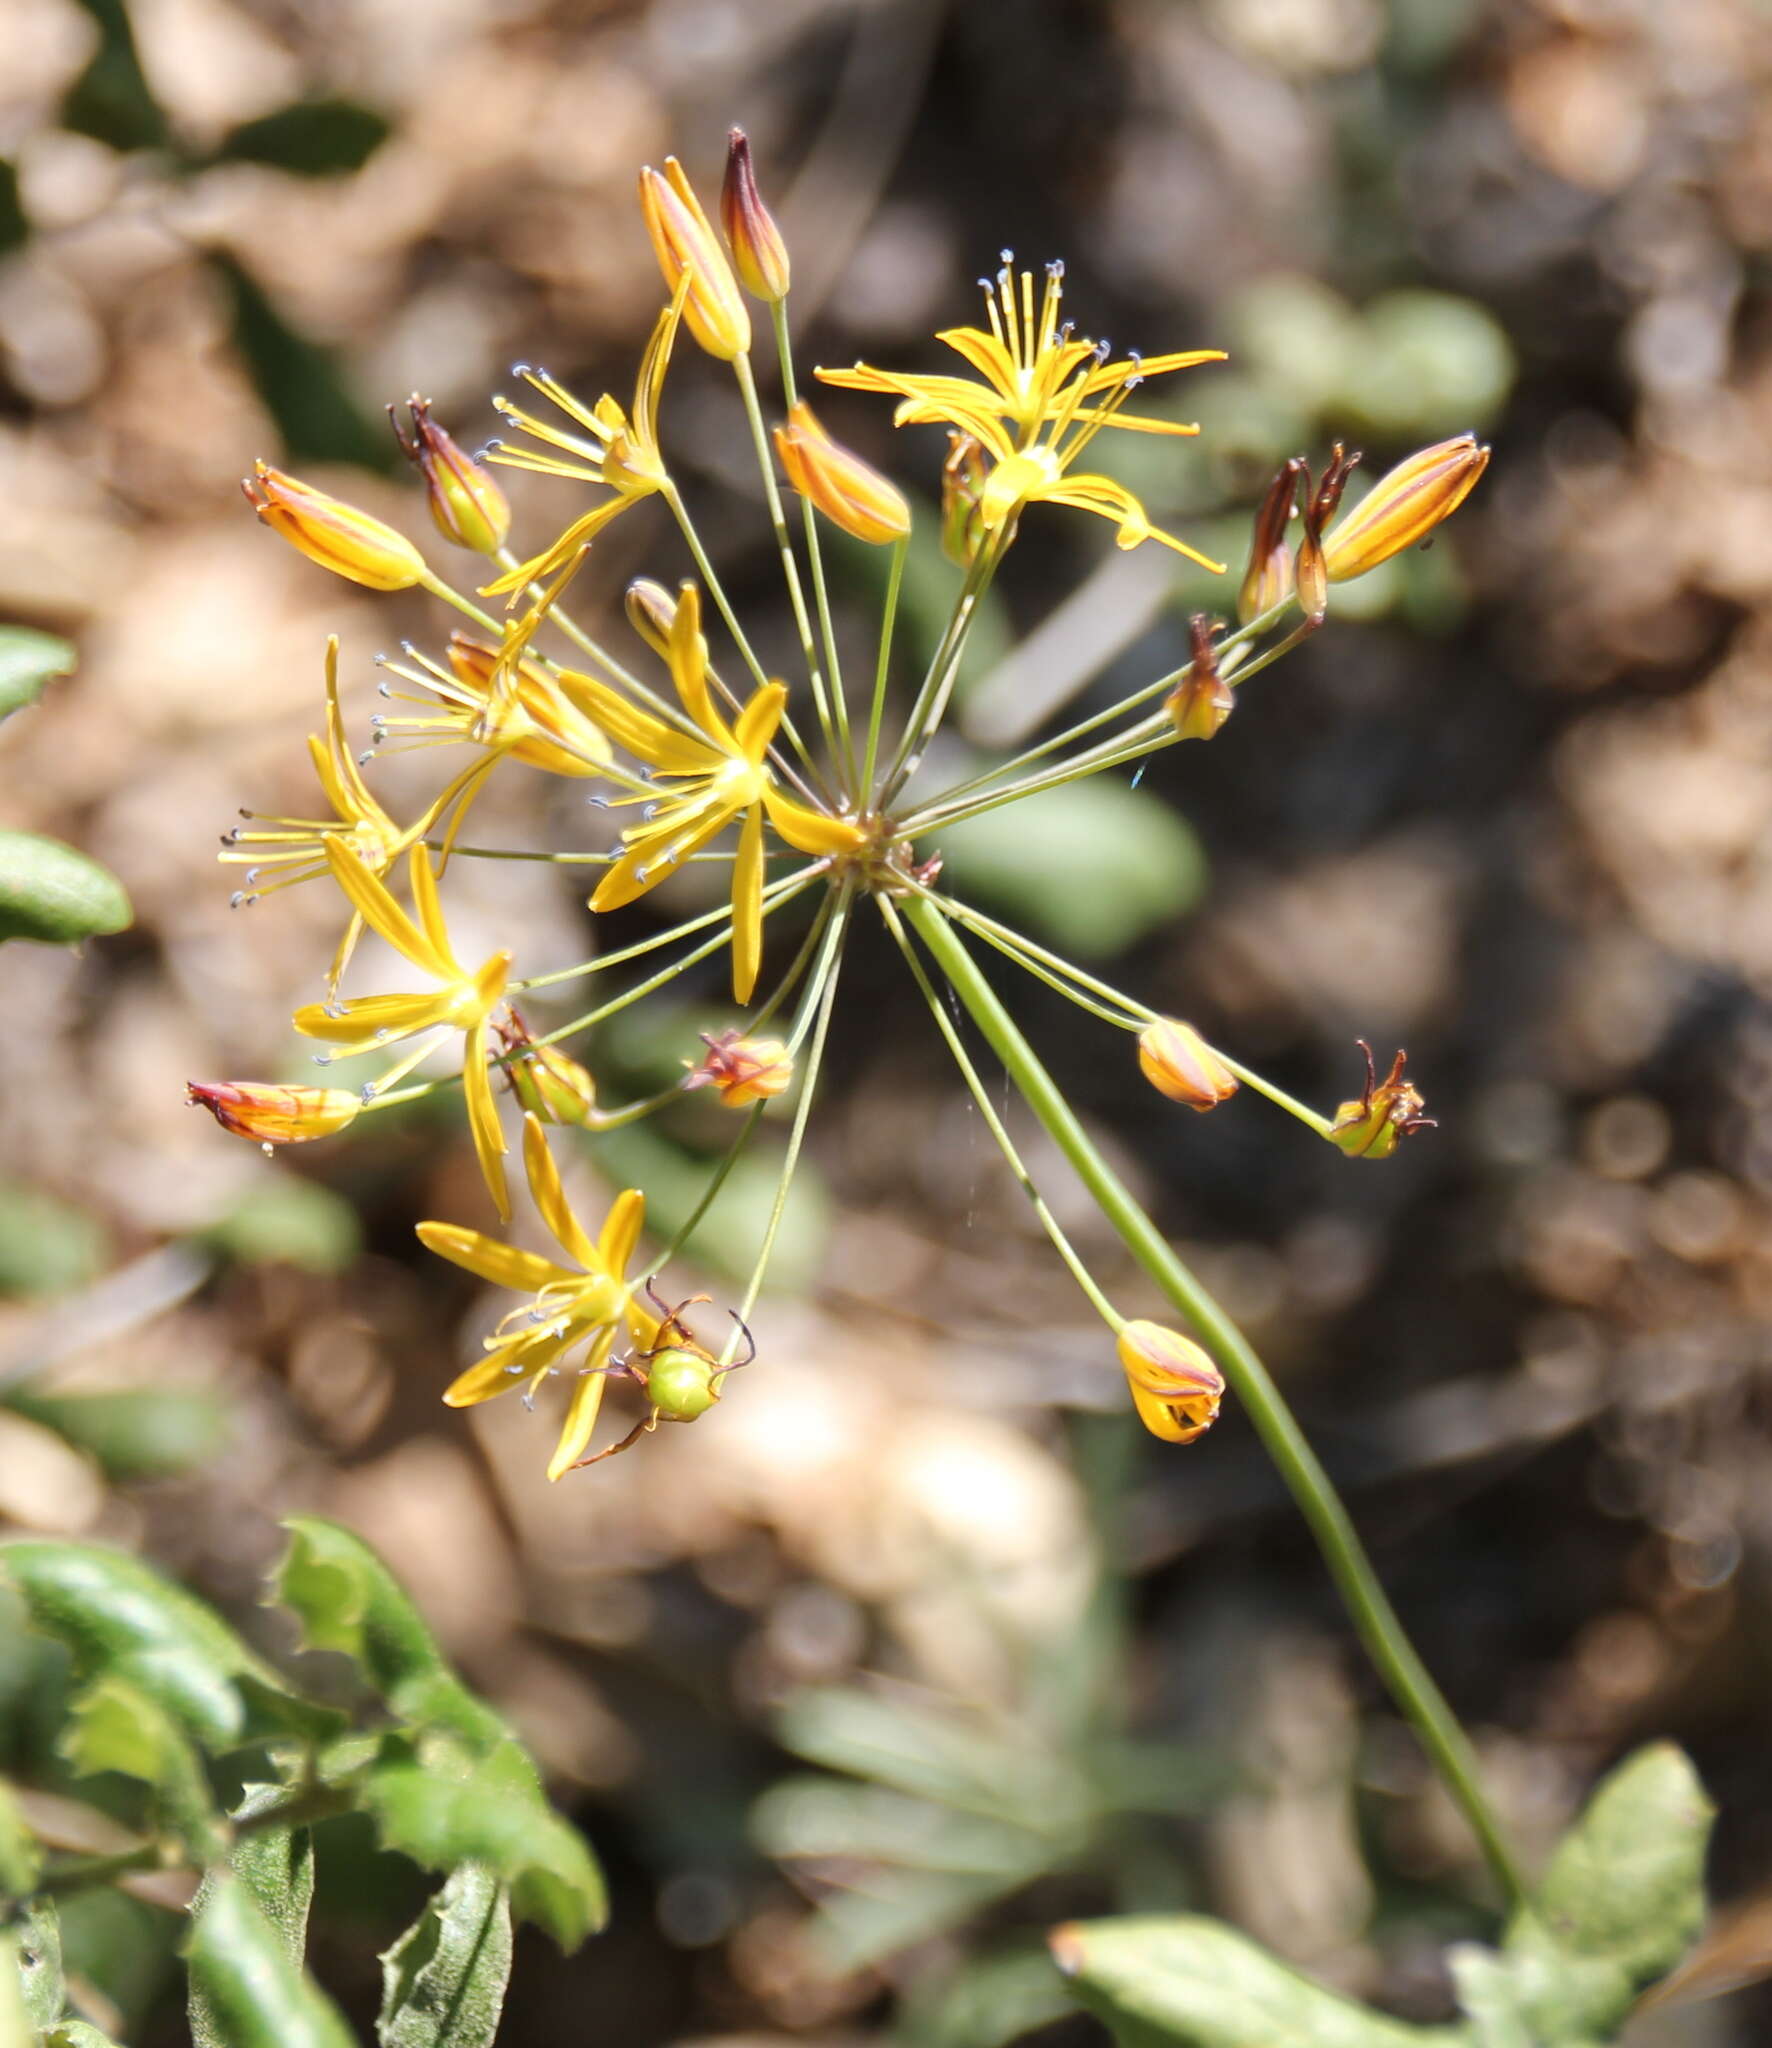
[[1150, 736], [1373, 1616], [883, 666], [938, 679]]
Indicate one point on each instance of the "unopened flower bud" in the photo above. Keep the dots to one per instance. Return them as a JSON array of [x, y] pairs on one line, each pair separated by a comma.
[[466, 501], [1202, 701], [336, 535], [744, 1070], [684, 244], [1404, 506], [1311, 573], [964, 476], [1268, 579], [549, 1083], [1389, 1110], [1175, 1387], [1178, 1062], [850, 493], [652, 611], [271, 1114], [758, 251]]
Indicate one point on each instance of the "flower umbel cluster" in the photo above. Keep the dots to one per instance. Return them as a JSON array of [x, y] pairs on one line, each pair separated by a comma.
[[805, 790]]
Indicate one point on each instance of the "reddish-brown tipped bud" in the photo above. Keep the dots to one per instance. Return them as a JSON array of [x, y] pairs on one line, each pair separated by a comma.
[[466, 501], [1404, 506], [271, 1114], [758, 252], [336, 535], [850, 493], [963, 478], [652, 611], [1312, 574], [1175, 1387], [714, 309], [1178, 1062], [1268, 579], [1389, 1110], [1202, 701], [549, 1083], [744, 1070]]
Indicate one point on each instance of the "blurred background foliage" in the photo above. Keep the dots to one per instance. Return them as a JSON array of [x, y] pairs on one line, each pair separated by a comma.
[[910, 1650]]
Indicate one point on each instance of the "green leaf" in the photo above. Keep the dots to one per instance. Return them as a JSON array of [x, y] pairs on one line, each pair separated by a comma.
[[115, 1726], [1189, 1980], [1621, 1903], [316, 138], [21, 1854], [132, 1434], [347, 1600], [111, 99], [1089, 867], [443, 1981], [276, 1865], [55, 894], [448, 1811], [300, 383], [117, 1616], [29, 661], [246, 1992], [77, 2034], [39, 1971]]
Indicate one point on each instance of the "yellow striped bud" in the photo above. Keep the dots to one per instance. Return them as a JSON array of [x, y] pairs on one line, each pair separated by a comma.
[[467, 503], [1404, 506], [684, 244], [1175, 1387], [652, 611], [1178, 1062], [744, 1070], [757, 248], [336, 535], [850, 493], [274, 1115]]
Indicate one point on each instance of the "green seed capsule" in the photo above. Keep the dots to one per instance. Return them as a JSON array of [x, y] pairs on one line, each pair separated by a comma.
[[680, 1383]]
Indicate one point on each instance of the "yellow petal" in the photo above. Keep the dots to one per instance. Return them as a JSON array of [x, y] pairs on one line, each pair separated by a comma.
[[747, 906], [807, 830], [365, 1020], [1159, 1419], [647, 738], [504, 1367], [688, 652], [371, 900], [505, 1265], [429, 907], [540, 567], [550, 1196], [756, 723], [489, 1137], [621, 1231], [582, 1410]]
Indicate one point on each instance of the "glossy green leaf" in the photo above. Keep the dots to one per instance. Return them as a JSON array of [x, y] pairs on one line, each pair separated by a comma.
[[1179, 1978], [1089, 867], [347, 1600], [444, 1814], [29, 661], [316, 138], [133, 1434], [55, 894], [117, 1616], [246, 1992], [39, 1963], [116, 1726], [21, 1854], [443, 1981]]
